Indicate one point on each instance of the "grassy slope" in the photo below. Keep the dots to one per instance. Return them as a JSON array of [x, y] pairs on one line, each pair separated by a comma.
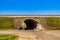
[[8, 37], [6, 23], [53, 22]]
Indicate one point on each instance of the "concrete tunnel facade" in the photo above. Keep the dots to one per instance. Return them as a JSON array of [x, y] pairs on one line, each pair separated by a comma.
[[31, 22]]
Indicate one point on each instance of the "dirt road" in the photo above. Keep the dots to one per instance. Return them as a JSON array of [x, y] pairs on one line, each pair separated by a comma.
[[34, 35]]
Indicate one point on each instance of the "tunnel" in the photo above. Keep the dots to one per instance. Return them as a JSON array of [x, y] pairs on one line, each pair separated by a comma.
[[30, 24]]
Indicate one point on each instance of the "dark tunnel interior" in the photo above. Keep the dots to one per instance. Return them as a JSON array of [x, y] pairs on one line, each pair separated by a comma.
[[30, 24]]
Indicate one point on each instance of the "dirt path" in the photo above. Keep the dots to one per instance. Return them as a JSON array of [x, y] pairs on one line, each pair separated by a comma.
[[34, 35], [23, 35]]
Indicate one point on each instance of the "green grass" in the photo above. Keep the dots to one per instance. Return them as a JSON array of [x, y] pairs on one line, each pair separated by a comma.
[[8, 37], [6, 23], [4, 28], [53, 23]]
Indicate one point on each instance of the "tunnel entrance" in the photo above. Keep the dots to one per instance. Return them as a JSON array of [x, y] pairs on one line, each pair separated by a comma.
[[30, 24]]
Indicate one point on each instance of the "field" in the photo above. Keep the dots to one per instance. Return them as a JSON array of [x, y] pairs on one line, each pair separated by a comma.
[[53, 22], [8, 37], [6, 23]]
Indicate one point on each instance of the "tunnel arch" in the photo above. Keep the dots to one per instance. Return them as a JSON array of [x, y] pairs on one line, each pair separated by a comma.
[[30, 24], [40, 25]]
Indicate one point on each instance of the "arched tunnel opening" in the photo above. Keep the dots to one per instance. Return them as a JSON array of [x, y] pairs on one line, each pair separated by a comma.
[[30, 24]]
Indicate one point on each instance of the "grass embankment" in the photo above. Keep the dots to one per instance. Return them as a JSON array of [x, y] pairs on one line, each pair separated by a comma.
[[53, 22], [6, 23], [8, 37]]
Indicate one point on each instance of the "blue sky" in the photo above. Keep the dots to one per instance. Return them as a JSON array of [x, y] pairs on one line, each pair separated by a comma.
[[33, 7]]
